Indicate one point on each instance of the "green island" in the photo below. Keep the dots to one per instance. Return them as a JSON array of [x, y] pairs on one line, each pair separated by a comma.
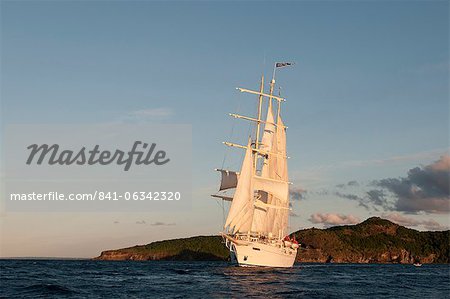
[[375, 240]]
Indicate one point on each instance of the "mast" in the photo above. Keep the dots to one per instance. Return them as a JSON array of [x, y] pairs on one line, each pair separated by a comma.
[[272, 84], [258, 121]]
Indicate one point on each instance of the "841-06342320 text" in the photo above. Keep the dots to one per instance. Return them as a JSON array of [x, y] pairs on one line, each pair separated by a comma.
[[98, 196]]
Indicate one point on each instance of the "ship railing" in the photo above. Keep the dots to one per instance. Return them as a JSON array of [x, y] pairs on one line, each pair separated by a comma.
[[257, 237]]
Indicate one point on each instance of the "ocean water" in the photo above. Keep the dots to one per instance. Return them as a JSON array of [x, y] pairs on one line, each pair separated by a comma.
[[163, 279]]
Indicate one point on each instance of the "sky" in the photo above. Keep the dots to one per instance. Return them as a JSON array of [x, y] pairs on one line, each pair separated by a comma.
[[367, 104]]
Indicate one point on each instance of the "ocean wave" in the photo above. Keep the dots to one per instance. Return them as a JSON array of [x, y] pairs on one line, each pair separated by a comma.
[[46, 289]]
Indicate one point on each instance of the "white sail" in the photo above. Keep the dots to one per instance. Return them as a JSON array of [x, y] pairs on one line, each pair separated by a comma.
[[282, 170], [270, 215], [261, 204], [274, 181], [279, 218], [269, 131], [259, 218], [276, 188], [272, 200], [241, 211]]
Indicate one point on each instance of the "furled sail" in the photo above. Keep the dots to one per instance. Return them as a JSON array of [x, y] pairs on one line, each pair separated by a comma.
[[229, 179], [241, 211], [223, 197]]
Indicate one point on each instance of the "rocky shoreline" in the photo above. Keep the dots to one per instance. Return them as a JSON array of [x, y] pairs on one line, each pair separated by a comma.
[[375, 240]]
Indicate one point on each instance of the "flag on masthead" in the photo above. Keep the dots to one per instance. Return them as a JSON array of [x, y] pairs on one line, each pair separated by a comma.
[[283, 64]]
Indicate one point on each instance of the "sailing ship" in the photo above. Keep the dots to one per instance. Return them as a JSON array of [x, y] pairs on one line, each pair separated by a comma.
[[255, 229]]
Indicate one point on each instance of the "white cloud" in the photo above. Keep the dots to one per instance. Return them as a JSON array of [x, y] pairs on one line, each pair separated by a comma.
[[319, 170], [403, 220], [395, 159], [151, 115], [156, 112], [159, 223], [329, 219]]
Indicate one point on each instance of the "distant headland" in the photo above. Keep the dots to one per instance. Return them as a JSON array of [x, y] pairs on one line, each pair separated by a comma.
[[375, 240]]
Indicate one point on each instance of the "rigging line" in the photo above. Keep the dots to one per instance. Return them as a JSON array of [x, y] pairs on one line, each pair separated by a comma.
[[217, 201], [249, 131], [251, 127], [264, 61], [233, 124], [223, 211]]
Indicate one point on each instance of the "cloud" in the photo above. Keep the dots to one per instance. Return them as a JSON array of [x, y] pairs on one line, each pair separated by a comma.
[[349, 196], [147, 115], [377, 197], [353, 184], [329, 219], [395, 159], [155, 112], [349, 184], [297, 193], [158, 223], [370, 200], [433, 225], [400, 219], [361, 200], [292, 214], [317, 175], [424, 189], [322, 192]]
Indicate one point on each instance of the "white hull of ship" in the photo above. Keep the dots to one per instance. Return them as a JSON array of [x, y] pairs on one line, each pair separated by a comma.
[[255, 254]]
